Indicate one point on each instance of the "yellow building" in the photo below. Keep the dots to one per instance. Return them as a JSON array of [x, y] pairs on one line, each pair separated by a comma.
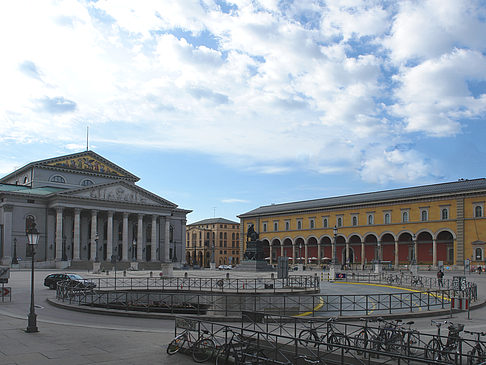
[[215, 236], [427, 224]]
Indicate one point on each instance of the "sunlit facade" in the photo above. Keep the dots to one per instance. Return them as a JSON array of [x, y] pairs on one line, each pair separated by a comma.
[[427, 224], [216, 236]]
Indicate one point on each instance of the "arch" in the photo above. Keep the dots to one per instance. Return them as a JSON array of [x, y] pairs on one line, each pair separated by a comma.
[[266, 248], [326, 247], [299, 243], [371, 247], [86, 182], [57, 179], [355, 241], [478, 254], [340, 246], [405, 243], [445, 246], [424, 247], [453, 234], [287, 247], [387, 240], [312, 247]]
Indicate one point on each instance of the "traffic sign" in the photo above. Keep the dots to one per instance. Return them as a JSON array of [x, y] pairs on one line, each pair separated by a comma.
[[5, 291]]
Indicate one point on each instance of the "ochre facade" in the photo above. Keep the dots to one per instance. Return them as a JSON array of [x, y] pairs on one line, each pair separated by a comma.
[[216, 236], [429, 224]]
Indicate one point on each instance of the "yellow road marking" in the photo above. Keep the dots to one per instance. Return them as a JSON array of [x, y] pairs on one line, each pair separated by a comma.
[[316, 308]]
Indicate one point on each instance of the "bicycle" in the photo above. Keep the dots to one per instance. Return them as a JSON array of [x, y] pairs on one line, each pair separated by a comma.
[[232, 349], [416, 281], [307, 360], [202, 347], [477, 355], [331, 337], [437, 350], [410, 339]]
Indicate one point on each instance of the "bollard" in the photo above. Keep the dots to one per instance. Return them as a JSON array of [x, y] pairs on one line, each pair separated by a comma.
[[227, 275], [185, 275], [151, 274], [273, 276], [124, 272], [107, 272]]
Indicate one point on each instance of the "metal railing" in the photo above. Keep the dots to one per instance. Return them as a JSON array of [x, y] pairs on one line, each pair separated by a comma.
[[286, 340], [232, 304], [211, 285]]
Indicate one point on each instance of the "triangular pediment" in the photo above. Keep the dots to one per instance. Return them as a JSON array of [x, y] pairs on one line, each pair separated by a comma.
[[87, 162], [119, 192]]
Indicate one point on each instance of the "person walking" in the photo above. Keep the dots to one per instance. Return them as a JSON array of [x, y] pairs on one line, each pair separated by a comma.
[[440, 275]]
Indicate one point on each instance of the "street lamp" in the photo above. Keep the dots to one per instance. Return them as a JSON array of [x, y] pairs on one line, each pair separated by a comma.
[[14, 258], [332, 268], [300, 252], [97, 259], [413, 262], [134, 250], [33, 238]]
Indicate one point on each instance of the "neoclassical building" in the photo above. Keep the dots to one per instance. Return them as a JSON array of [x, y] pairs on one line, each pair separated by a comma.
[[427, 224], [87, 210], [213, 236]]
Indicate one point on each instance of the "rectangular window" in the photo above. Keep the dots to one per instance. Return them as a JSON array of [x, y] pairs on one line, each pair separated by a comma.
[[264, 226], [311, 223], [405, 216], [324, 222], [339, 221], [287, 226], [275, 226], [370, 219], [387, 218], [299, 224], [354, 220], [444, 213]]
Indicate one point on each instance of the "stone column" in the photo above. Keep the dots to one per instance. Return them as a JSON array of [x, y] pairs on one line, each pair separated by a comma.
[[140, 238], [363, 254], [94, 231], [294, 258], [415, 251], [166, 240], [306, 253], [396, 254], [125, 237], [109, 236], [281, 249], [319, 256], [434, 252], [77, 235], [270, 249], [153, 246], [58, 234]]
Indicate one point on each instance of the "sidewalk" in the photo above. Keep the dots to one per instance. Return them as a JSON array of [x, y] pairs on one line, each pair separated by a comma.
[[58, 344]]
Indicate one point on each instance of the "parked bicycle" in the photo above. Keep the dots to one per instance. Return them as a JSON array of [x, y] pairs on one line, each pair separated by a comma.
[[416, 281], [439, 351], [332, 336], [477, 355], [202, 347]]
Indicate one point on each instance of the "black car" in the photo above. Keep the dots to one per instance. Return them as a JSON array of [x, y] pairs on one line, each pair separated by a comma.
[[74, 280]]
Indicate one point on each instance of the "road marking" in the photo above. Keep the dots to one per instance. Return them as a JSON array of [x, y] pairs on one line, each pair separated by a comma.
[[315, 309]]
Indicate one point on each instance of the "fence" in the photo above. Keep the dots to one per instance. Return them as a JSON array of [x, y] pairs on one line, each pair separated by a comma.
[[277, 340]]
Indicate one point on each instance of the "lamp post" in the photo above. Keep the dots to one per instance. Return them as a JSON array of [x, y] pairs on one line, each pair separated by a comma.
[[33, 238], [378, 258], [14, 258], [97, 258], [413, 262], [134, 250], [300, 254]]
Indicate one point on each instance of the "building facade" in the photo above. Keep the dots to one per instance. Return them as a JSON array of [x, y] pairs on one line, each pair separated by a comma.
[[216, 238], [425, 224], [87, 209]]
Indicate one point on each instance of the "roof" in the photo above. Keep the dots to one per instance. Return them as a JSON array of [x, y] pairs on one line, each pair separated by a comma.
[[457, 187], [86, 162], [28, 190], [213, 221]]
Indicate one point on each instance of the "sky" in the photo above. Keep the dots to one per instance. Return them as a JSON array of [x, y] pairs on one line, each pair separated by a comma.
[[222, 106]]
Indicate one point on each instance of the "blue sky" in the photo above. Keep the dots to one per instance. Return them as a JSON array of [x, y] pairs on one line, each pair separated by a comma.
[[224, 106]]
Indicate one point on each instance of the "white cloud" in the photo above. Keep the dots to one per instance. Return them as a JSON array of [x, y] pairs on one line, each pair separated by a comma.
[[270, 88], [234, 200]]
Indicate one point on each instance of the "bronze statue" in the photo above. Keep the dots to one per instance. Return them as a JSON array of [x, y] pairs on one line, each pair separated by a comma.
[[251, 234]]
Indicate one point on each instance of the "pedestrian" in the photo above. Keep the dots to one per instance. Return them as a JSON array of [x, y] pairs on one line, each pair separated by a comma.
[[440, 275], [480, 269]]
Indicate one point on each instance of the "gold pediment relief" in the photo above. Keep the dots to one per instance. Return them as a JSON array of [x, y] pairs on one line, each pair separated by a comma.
[[85, 163]]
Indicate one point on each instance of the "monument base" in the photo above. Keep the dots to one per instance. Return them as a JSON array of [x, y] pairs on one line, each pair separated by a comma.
[[166, 269], [254, 265]]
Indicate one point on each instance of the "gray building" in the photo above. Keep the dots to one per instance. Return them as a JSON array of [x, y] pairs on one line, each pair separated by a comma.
[[87, 210]]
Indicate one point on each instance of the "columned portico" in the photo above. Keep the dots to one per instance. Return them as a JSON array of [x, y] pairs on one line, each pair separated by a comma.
[[94, 233], [154, 246], [109, 236], [77, 234], [434, 253], [125, 237], [166, 241]]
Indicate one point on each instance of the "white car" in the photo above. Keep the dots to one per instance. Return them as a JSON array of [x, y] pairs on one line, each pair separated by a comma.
[[225, 267]]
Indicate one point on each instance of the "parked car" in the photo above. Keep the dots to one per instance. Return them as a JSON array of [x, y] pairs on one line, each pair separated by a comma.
[[74, 280], [225, 267]]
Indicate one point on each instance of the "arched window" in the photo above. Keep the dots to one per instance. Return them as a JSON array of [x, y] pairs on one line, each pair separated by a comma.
[[370, 219], [387, 218], [120, 231], [87, 182], [171, 234], [445, 214], [324, 222], [478, 211], [479, 254], [58, 179], [148, 233], [299, 225], [405, 216], [355, 221], [339, 222], [311, 223], [29, 222], [424, 215]]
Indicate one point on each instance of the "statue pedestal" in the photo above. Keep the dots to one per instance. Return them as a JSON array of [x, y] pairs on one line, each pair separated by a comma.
[[378, 268], [212, 266], [166, 269], [254, 265]]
